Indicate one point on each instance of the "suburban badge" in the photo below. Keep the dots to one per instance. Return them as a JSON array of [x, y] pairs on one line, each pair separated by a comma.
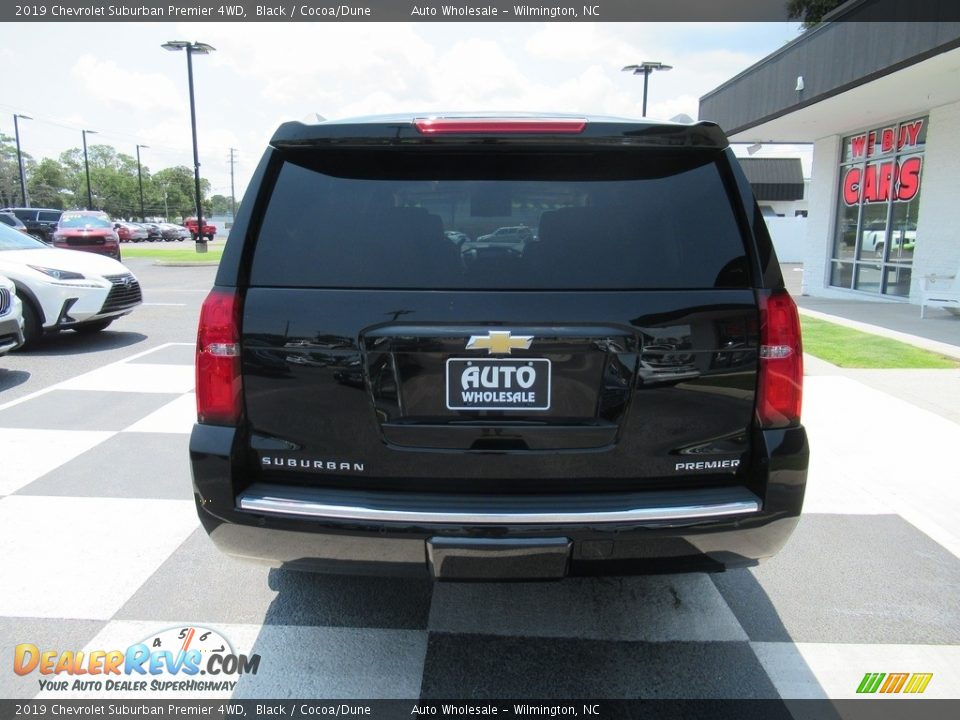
[[499, 342]]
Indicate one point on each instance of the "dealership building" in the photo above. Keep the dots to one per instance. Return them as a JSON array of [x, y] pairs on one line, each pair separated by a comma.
[[880, 102]]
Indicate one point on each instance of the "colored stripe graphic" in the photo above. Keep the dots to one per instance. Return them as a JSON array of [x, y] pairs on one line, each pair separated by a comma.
[[870, 682], [918, 683], [895, 682]]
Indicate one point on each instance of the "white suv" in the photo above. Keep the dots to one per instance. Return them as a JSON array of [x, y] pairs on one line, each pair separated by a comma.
[[65, 289]]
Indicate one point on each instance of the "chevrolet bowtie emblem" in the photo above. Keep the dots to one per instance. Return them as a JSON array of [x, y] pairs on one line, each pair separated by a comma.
[[498, 342]]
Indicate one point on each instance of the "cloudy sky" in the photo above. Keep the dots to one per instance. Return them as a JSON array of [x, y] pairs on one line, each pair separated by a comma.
[[115, 78]]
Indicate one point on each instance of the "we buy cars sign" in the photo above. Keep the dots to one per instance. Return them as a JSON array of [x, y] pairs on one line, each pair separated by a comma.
[[880, 181]]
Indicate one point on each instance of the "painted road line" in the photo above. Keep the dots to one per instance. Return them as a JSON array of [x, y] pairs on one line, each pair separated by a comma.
[[59, 385]]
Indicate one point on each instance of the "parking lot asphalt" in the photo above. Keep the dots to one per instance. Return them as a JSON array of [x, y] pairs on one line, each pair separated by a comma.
[[170, 310], [100, 548]]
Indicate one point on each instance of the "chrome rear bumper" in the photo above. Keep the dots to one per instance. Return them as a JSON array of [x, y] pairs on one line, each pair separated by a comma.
[[577, 509]]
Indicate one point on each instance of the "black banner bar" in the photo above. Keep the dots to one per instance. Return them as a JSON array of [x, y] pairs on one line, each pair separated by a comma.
[[394, 10], [865, 709], [462, 11]]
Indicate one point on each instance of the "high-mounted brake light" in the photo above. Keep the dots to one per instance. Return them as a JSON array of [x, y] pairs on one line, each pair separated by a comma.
[[218, 359], [491, 126], [780, 381]]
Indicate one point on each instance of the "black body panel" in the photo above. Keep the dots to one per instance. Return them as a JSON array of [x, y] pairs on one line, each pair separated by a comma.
[[372, 384], [341, 546], [325, 379]]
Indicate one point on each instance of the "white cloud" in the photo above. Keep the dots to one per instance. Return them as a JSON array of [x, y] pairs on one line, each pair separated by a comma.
[[475, 74], [317, 66], [118, 88], [579, 43], [264, 73]]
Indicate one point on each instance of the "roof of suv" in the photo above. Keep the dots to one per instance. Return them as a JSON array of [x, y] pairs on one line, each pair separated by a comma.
[[30, 209], [408, 128]]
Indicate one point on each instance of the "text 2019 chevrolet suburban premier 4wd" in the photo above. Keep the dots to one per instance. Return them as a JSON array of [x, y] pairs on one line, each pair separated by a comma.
[[621, 394]]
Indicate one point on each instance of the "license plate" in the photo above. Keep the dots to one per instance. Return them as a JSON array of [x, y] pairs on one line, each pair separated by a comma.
[[498, 384]]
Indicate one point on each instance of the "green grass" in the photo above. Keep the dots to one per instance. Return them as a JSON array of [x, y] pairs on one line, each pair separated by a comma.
[[186, 253], [854, 349]]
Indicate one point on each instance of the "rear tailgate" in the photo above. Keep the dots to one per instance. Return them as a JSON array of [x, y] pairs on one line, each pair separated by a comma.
[[353, 402], [614, 348]]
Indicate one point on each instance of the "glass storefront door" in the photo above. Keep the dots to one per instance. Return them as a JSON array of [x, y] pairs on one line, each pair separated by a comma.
[[879, 195]]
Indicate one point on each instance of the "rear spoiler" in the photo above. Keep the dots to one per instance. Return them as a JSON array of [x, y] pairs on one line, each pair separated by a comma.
[[411, 131]]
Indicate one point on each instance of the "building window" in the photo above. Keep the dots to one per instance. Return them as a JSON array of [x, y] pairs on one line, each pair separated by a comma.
[[879, 195]]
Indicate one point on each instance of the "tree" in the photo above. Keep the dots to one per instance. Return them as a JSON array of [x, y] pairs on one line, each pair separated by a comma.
[[811, 11], [219, 205], [10, 171], [62, 183], [47, 185], [171, 192], [113, 180], [75, 182]]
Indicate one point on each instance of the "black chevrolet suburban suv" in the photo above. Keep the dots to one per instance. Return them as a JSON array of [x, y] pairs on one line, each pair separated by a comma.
[[618, 393]]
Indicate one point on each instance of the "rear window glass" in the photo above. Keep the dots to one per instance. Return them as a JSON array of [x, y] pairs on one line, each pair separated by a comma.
[[48, 215], [84, 221], [499, 221]]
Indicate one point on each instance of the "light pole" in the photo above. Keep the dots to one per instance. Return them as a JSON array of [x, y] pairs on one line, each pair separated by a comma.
[[23, 177], [86, 165], [645, 68], [202, 49], [233, 196], [140, 181]]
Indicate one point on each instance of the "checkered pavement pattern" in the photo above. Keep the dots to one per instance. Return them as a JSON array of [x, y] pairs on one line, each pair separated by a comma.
[[100, 548]]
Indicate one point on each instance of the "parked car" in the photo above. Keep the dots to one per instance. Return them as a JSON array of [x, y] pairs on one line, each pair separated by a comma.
[[209, 229], [366, 403], [169, 232], [87, 230], [63, 289], [183, 233], [517, 236], [11, 317], [8, 218], [487, 249], [456, 237], [153, 231], [40, 222], [130, 232], [874, 237]]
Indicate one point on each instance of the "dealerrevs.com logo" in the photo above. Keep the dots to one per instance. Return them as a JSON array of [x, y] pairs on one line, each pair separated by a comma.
[[181, 659]]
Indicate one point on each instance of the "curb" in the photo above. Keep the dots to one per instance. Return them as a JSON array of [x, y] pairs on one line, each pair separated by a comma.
[[941, 348], [184, 263]]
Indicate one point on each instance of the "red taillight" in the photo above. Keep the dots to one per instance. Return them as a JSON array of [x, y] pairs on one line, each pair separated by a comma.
[[218, 359], [780, 382], [484, 126]]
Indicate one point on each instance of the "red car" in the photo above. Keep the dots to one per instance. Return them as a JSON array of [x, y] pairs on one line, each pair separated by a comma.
[[129, 232], [209, 229], [89, 230]]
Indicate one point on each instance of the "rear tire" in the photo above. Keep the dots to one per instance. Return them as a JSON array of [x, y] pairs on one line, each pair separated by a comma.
[[93, 327]]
